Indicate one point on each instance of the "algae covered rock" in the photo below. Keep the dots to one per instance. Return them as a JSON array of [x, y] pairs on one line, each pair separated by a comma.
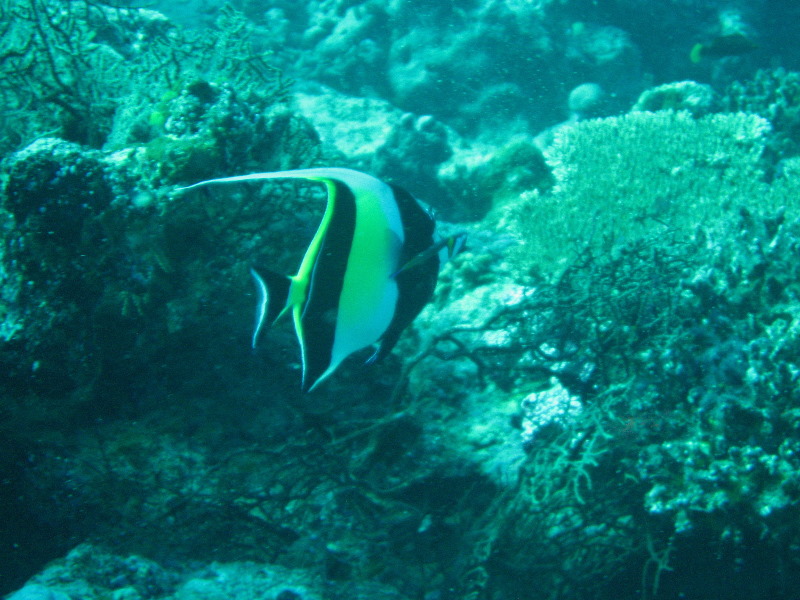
[[55, 193], [208, 129], [89, 571], [94, 252], [54, 187]]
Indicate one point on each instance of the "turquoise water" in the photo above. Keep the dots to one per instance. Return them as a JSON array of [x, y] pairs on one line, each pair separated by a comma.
[[598, 401]]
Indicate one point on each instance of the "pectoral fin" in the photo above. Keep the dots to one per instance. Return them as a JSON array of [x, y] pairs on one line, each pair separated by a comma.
[[445, 248]]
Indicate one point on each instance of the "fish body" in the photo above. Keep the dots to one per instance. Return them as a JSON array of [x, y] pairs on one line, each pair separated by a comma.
[[732, 44], [369, 270]]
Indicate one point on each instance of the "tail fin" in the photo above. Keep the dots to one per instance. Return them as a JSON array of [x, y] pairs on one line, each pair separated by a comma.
[[273, 299]]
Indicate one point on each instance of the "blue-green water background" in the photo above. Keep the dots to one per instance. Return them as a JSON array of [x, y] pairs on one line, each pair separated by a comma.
[[601, 400]]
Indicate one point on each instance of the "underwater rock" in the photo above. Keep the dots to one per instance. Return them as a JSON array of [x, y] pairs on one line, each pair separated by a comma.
[[53, 187], [585, 101], [413, 152], [470, 425], [352, 127], [429, 158], [34, 591], [350, 53], [90, 572], [207, 129], [697, 98], [599, 45], [57, 193]]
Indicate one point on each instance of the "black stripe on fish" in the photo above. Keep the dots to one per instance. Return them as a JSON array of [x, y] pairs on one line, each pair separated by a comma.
[[319, 313]]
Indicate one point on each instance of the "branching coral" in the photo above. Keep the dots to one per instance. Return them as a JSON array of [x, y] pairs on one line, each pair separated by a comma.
[[620, 178], [56, 76], [76, 69], [775, 95], [682, 352]]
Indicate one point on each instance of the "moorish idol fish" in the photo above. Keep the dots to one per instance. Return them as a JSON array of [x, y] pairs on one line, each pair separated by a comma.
[[370, 269]]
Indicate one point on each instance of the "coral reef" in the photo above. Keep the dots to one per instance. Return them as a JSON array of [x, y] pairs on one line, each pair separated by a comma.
[[697, 98], [658, 377], [90, 572], [373, 135], [600, 402], [775, 95], [77, 70], [623, 177]]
